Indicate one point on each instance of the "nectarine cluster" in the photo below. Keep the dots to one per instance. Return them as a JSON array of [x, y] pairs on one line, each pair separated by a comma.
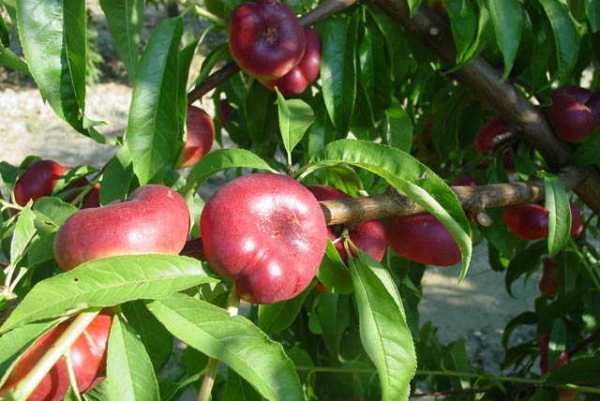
[[268, 42], [574, 113]]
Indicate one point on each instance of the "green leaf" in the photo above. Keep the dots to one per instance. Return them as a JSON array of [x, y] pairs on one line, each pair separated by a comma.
[[54, 210], [57, 30], [524, 263], [559, 214], [125, 19], [408, 175], [117, 177], [4, 36], [129, 372], [566, 38], [107, 282], [10, 60], [463, 22], [384, 332], [507, 18], [223, 159], [399, 127], [275, 318], [333, 272], [218, 54], [338, 69], [233, 340], [333, 312], [23, 234], [157, 340], [295, 116], [586, 153], [592, 10], [413, 6], [13, 343], [155, 127], [237, 389]]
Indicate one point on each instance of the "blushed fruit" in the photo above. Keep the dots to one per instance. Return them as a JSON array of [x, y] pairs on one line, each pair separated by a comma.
[[484, 141], [368, 236], [155, 219], [200, 136], [530, 221], [305, 73], [548, 286], [92, 198], [423, 239], [267, 233], [571, 115], [38, 181], [266, 39], [87, 355]]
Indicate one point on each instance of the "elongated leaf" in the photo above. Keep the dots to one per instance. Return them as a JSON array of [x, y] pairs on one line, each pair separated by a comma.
[[566, 38], [130, 375], [407, 175], [592, 10], [338, 69], [117, 177], [13, 343], [107, 282], [559, 214], [155, 127], [523, 263], [23, 234], [236, 389], [333, 272], [399, 127], [53, 210], [384, 332], [125, 19], [277, 317], [223, 159], [413, 6], [463, 22], [333, 312], [233, 340], [295, 116], [12, 61], [57, 30], [4, 37], [507, 18]]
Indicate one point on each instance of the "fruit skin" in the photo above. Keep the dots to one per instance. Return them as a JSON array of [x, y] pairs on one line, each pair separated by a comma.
[[571, 115], [305, 73], [38, 181], [87, 354], [484, 141], [266, 232], [225, 108], [92, 198], [423, 239], [155, 219], [368, 236], [266, 39], [200, 136], [548, 286], [530, 221]]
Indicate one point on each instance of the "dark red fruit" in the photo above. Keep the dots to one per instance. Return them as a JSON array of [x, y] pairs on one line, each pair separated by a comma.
[[594, 105], [464, 181], [548, 285], [305, 73], [38, 181], [543, 345], [484, 142], [155, 219], [225, 109], [571, 115], [423, 239], [200, 136], [266, 39], [266, 232], [368, 236], [87, 356], [92, 198], [530, 221]]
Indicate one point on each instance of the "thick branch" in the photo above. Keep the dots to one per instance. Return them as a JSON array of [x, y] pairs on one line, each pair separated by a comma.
[[499, 94], [321, 12]]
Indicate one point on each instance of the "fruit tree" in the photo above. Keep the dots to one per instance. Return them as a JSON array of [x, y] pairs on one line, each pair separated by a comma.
[[356, 145]]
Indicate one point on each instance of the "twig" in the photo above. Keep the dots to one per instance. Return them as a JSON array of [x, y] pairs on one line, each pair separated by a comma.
[[321, 12]]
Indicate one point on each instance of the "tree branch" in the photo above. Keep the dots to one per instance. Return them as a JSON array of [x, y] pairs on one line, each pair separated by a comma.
[[499, 94], [321, 12]]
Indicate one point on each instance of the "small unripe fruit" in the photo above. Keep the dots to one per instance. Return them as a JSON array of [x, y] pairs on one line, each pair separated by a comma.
[[266, 232], [484, 142], [571, 115], [423, 239], [548, 285], [368, 236], [530, 221], [200, 136], [155, 219], [305, 73], [266, 39], [38, 181], [87, 355]]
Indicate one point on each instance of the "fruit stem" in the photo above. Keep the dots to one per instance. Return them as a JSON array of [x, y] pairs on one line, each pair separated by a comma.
[[233, 304], [29, 383]]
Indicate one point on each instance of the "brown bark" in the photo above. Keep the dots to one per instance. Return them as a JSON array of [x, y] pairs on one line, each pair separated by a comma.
[[487, 83]]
